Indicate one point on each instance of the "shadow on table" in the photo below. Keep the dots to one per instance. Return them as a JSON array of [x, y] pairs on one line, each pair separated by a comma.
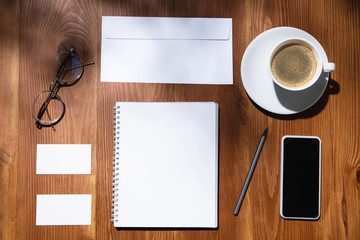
[[332, 88]]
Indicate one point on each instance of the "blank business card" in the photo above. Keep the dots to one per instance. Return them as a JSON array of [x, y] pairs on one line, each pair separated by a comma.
[[63, 159], [64, 209]]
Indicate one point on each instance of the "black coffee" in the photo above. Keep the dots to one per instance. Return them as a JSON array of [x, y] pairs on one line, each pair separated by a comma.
[[293, 65]]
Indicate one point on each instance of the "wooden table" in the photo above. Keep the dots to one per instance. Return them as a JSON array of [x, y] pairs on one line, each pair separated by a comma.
[[32, 33]]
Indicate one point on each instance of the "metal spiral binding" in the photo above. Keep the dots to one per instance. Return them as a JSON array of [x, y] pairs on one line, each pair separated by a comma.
[[115, 194]]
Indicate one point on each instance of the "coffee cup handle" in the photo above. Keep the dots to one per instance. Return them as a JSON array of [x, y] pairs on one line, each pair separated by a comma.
[[329, 67]]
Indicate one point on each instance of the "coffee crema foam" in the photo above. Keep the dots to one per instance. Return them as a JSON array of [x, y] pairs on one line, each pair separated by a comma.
[[293, 65]]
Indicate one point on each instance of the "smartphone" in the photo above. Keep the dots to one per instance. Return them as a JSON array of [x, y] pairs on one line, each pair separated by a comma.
[[300, 177]]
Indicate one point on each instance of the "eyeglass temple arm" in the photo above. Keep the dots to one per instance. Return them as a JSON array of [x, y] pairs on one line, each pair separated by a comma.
[[39, 125], [72, 68], [83, 65], [43, 108], [47, 112]]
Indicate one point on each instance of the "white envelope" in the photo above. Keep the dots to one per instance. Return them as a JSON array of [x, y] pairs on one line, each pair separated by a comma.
[[166, 50]]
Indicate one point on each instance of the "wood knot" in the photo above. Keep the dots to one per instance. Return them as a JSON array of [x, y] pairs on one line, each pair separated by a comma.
[[5, 158], [358, 175]]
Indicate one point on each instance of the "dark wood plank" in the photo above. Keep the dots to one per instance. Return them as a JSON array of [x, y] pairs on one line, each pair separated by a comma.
[[9, 105]]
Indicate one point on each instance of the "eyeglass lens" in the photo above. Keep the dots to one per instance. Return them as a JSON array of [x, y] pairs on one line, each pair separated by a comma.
[[67, 68], [48, 108]]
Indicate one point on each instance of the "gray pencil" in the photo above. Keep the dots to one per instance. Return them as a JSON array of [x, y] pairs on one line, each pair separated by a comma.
[[250, 173]]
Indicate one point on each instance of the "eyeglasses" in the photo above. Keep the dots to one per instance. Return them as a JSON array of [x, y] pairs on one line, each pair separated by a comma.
[[48, 108]]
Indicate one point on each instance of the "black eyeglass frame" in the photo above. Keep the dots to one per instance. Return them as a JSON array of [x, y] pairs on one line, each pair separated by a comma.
[[55, 86]]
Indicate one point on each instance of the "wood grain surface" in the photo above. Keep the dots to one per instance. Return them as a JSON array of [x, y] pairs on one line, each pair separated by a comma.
[[33, 32]]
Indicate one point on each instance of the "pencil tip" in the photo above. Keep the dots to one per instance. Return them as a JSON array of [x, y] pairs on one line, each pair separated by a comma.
[[265, 132]]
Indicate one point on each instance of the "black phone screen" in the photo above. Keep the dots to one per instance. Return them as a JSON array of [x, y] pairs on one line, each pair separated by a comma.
[[301, 177]]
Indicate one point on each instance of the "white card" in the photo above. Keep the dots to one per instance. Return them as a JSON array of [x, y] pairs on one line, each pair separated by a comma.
[[65, 209], [63, 159]]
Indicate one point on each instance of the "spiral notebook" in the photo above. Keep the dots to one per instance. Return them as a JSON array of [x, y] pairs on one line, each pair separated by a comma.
[[165, 165]]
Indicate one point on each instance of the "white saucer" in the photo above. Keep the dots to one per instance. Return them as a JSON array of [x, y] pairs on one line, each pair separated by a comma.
[[258, 83]]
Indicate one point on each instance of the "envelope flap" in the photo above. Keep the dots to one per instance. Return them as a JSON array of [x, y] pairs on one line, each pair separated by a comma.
[[159, 28]]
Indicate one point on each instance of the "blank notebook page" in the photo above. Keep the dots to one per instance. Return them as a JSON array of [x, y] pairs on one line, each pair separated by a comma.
[[167, 165]]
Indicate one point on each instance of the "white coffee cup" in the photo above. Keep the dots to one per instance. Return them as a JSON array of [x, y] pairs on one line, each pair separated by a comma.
[[321, 64]]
